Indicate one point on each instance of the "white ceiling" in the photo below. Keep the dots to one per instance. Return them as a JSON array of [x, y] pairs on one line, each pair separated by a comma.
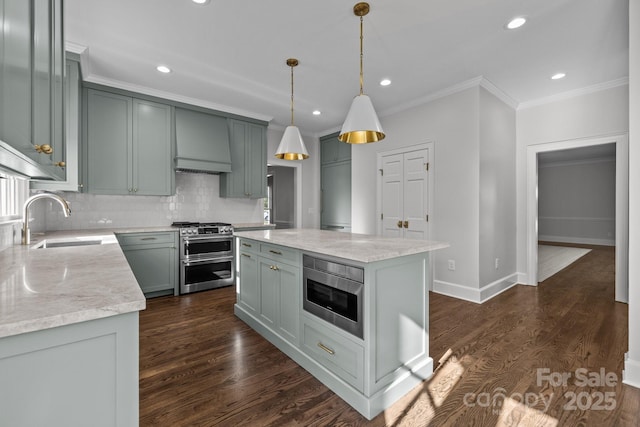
[[230, 54]]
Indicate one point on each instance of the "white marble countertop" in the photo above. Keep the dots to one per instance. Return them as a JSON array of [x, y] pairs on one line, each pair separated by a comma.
[[358, 247], [50, 287]]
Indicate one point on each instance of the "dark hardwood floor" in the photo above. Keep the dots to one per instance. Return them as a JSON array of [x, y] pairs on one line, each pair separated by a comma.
[[201, 366]]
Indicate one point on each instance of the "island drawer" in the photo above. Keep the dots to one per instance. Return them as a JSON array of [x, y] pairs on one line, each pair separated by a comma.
[[248, 245], [340, 355], [279, 252], [146, 238]]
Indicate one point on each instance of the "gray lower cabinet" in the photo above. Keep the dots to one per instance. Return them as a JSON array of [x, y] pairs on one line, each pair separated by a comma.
[[369, 373], [129, 145], [83, 374], [248, 176], [270, 287], [335, 184], [153, 258]]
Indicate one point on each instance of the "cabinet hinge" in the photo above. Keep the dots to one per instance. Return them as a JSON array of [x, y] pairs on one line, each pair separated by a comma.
[[427, 218], [381, 172], [426, 166], [381, 216]]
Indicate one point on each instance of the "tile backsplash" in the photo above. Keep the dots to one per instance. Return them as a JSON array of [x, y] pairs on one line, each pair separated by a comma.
[[197, 198]]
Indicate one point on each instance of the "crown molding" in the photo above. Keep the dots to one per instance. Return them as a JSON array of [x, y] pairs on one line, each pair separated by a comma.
[[574, 93], [174, 97], [498, 93], [83, 52]]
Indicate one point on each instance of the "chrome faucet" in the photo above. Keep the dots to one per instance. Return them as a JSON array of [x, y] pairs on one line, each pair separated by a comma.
[[26, 233]]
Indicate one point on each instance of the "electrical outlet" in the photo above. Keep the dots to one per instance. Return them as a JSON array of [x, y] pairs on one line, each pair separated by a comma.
[[497, 263], [452, 264]]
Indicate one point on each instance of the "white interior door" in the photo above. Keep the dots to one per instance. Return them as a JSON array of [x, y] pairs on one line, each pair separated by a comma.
[[415, 187], [404, 198]]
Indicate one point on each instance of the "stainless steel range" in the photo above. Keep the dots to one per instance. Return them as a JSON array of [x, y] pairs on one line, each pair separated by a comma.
[[206, 255]]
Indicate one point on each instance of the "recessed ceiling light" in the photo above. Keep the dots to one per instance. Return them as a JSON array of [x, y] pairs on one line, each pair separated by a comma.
[[516, 23], [385, 82], [558, 76], [316, 112], [163, 69], [200, 1]]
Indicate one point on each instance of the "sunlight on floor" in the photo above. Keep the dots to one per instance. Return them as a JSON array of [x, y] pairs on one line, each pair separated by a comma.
[[516, 413], [421, 403]]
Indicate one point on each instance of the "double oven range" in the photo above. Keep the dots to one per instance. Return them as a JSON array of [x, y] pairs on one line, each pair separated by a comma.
[[206, 255]]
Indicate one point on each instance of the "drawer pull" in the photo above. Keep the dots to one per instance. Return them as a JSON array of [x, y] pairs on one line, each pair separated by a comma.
[[148, 238], [274, 267], [325, 348], [246, 244], [248, 256], [275, 252]]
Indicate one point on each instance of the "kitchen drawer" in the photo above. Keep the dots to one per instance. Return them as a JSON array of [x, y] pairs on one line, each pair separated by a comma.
[[127, 239], [276, 252], [248, 245], [343, 357]]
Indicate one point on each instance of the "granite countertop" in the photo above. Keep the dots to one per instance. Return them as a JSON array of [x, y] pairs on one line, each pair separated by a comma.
[[357, 247], [50, 287]]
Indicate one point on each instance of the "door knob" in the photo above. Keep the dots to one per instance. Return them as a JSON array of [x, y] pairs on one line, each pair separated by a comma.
[[399, 224], [406, 224]]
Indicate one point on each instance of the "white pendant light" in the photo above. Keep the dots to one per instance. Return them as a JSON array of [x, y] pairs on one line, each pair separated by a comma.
[[291, 146], [361, 125]]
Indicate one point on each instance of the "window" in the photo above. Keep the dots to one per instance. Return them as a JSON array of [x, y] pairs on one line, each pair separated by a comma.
[[14, 191]]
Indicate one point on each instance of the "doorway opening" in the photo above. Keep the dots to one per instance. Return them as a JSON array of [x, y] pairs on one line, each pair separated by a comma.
[[283, 204], [535, 223]]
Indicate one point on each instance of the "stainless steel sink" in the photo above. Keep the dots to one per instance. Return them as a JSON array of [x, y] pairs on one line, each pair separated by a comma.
[[75, 241]]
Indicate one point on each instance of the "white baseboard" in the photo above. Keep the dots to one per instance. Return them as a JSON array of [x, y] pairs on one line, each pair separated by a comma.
[[631, 372], [578, 240], [523, 278], [478, 296], [499, 286], [456, 291]]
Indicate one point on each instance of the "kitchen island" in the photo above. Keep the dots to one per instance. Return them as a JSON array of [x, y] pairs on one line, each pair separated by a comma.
[[68, 333], [383, 352]]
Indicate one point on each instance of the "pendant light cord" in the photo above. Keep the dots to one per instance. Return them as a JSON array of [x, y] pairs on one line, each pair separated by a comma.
[[361, 55], [292, 95]]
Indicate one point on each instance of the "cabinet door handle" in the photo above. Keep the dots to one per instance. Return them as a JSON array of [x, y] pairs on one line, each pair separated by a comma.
[[275, 252], [247, 255], [148, 238], [325, 348], [246, 244], [406, 224], [399, 224], [274, 267]]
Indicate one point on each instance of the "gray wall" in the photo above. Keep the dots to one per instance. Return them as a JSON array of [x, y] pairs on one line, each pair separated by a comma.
[[576, 202], [497, 191]]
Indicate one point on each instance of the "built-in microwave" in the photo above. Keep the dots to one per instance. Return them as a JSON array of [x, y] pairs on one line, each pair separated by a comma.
[[334, 292]]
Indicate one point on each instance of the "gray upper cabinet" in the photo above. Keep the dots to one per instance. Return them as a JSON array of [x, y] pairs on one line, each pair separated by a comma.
[[334, 150], [248, 177], [31, 87], [128, 145], [202, 142], [335, 184], [68, 160]]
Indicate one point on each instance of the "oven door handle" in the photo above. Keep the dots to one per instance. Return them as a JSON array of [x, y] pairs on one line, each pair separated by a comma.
[[187, 239], [189, 262]]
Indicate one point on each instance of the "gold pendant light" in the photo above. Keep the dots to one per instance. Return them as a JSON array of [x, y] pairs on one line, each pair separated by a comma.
[[291, 146], [361, 125]]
